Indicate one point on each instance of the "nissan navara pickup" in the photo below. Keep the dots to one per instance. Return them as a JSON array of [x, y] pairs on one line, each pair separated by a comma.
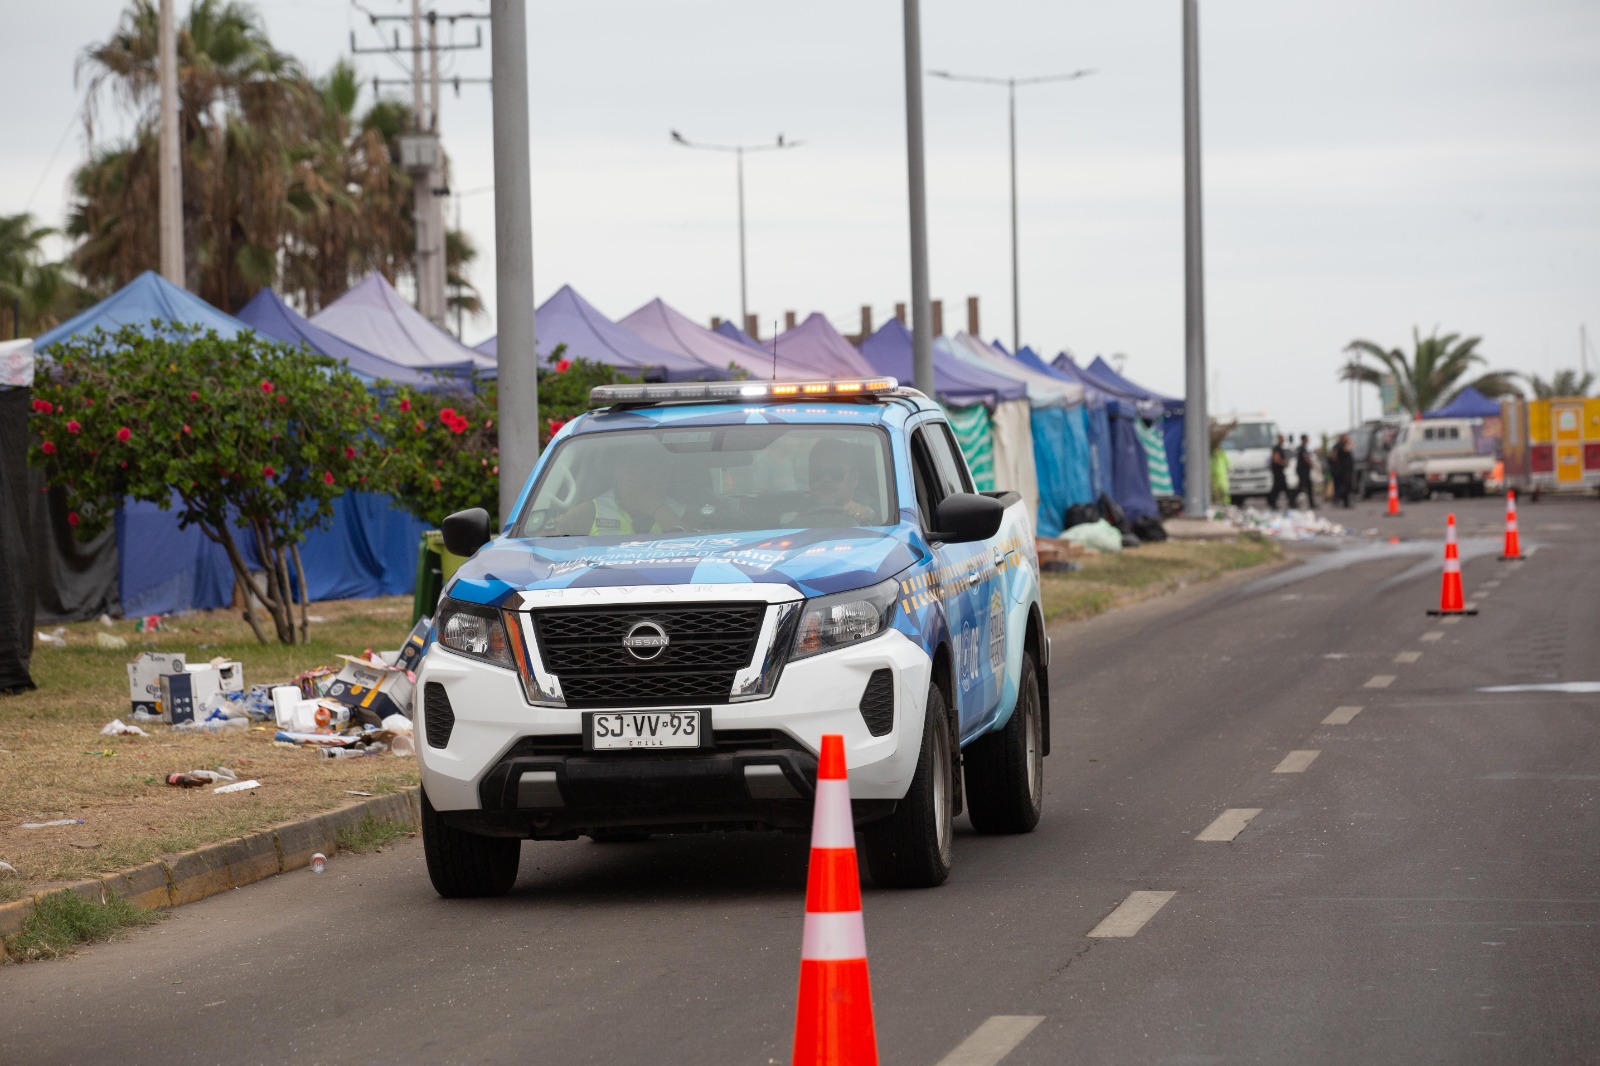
[[697, 582]]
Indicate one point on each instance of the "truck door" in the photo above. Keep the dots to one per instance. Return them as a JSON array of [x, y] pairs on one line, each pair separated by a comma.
[[965, 577], [1567, 430]]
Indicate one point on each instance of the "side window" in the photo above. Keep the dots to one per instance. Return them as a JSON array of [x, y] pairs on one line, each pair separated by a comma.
[[927, 479], [952, 469]]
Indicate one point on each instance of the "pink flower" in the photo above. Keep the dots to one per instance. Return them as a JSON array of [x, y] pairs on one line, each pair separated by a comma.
[[327, 477], [124, 434], [556, 424], [563, 365], [266, 386], [436, 485], [405, 404], [282, 398], [44, 407], [72, 518], [268, 473], [349, 452], [74, 426], [447, 415], [193, 397], [186, 428], [48, 448]]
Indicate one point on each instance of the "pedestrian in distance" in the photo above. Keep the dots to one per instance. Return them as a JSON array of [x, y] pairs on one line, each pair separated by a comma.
[[1344, 469], [1280, 476], [1302, 472]]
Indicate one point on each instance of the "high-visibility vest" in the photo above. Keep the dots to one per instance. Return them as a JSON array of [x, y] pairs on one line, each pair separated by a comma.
[[610, 517]]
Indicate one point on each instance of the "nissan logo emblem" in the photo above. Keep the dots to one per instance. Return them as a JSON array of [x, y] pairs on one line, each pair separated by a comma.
[[645, 640]]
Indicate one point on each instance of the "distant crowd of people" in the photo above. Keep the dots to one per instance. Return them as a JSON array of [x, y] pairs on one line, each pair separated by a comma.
[[1341, 464]]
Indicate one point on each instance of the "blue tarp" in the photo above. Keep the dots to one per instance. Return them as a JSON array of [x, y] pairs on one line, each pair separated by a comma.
[[148, 296], [368, 549], [1062, 458], [957, 383], [1468, 403], [1171, 415], [1130, 470], [269, 315], [1096, 420]]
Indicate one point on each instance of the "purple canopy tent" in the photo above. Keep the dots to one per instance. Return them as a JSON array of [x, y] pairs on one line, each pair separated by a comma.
[[567, 318], [958, 383], [816, 348], [375, 317], [267, 314], [667, 328], [727, 329], [1171, 422]]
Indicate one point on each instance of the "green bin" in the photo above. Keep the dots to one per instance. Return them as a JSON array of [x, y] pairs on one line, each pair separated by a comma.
[[436, 565]]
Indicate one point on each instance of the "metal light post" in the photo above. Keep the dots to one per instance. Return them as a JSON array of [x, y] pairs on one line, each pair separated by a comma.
[[917, 201], [1011, 119], [1197, 431], [738, 151]]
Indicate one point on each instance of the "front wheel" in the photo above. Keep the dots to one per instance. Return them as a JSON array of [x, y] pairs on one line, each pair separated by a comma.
[[1005, 770], [912, 847], [462, 865]]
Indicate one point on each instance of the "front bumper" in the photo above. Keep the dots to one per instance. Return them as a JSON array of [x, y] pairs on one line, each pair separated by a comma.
[[513, 768], [1249, 482]]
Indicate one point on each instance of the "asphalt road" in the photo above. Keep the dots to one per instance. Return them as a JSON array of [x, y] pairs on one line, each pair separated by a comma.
[[1424, 888]]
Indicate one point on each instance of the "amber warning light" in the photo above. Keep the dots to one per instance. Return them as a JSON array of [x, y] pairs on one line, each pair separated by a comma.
[[738, 391]]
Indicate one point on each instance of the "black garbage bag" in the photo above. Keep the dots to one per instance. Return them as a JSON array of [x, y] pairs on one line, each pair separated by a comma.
[[1081, 514], [1130, 541], [1112, 512], [1149, 528]]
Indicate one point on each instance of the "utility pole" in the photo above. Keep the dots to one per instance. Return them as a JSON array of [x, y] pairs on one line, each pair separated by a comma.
[[917, 196], [1197, 430], [513, 246], [170, 196]]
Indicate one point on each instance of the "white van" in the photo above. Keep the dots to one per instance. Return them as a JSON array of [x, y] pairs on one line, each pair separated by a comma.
[[1249, 449]]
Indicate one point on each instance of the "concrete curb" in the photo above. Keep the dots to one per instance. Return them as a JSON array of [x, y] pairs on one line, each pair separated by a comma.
[[191, 875]]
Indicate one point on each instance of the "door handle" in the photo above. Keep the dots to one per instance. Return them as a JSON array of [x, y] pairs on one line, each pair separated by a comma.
[[973, 577]]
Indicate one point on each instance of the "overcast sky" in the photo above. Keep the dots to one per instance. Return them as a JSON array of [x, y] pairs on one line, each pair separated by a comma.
[[1369, 167]]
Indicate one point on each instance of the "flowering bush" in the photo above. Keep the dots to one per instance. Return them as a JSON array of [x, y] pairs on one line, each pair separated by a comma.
[[245, 437], [441, 451]]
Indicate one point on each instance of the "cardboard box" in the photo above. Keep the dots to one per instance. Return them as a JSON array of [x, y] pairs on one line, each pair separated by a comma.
[[188, 696], [144, 678], [230, 675], [372, 691], [411, 651]]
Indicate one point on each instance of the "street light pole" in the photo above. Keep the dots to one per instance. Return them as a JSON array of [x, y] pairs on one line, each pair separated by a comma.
[[917, 201], [1197, 431], [1011, 119], [738, 151]]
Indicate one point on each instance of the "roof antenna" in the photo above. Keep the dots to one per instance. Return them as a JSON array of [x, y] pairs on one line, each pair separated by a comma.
[[774, 349]]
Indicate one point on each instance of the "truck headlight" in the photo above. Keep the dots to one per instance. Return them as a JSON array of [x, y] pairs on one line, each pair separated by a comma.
[[844, 618], [473, 630]]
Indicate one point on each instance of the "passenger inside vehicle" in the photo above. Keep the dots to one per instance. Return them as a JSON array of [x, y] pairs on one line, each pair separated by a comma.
[[637, 503]]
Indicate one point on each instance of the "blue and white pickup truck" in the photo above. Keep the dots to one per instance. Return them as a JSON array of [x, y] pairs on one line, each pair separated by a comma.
[[696, 584]]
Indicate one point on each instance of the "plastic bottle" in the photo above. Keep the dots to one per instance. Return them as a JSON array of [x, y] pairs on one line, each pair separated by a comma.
[[344, 753], [319, 863]]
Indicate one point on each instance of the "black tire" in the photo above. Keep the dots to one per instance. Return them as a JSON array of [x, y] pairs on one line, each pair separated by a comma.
[[912, 847], [463, 865], [1005, 770]]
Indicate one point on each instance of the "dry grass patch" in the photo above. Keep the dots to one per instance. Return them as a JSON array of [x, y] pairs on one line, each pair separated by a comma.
[[1105, 581], [54, 764]]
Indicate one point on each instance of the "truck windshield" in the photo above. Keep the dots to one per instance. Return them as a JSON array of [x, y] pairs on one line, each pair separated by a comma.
[[686, 478], [1249, 436]]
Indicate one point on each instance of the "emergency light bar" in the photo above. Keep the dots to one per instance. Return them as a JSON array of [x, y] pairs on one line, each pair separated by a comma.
[[740, 391]]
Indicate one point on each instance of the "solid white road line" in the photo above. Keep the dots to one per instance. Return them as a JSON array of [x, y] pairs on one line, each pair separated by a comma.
[[1408, 657], [1433, 634], [1379, 681], [1296, 762], [1229, 824], [1131, 914], [993, 1040], [1341, 716]]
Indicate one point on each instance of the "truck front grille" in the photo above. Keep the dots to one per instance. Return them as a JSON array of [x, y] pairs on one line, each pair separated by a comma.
[[707, 644]]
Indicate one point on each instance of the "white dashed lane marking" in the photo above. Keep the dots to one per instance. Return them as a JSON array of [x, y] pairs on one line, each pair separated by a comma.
[[1408, 657], [1341, 716], [1229, 824], [1453, 620], [1492, 584], [1480, 595], [993, 1040], [1131, 914], [1296, 762], [1433, 635], [1380, 681]]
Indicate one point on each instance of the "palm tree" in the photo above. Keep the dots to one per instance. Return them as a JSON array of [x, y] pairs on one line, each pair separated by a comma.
[[1562, 383], [1432, 375], [34, 294]]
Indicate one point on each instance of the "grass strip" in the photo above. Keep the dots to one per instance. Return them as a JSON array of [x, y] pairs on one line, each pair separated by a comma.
[[62, 921], [370, 834], [1102, 582]]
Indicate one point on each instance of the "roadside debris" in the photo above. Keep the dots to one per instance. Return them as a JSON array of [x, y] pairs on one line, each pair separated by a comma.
[[56, 638], [319, 863], [109, 641], [118, 728], [7, 868], [56, 822], [238, 786], [197, 778], [1281, 525]]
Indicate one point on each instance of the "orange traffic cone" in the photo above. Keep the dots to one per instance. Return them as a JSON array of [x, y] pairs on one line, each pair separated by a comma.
[[833, 1026], [1450, 599], [1394, 496], [1513, 542]]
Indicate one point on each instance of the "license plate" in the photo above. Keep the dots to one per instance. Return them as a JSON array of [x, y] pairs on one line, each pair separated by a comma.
[[615, 730]]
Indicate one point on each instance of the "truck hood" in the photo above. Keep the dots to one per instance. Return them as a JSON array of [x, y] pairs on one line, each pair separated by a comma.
[[1248, 460], [812, 562]]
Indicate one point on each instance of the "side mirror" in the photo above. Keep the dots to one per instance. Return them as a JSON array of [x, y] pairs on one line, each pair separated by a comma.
[[966, 516], [466, 531]]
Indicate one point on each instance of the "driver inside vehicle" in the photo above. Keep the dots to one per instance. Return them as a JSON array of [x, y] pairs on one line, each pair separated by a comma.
[[638, 503], [833, 478]]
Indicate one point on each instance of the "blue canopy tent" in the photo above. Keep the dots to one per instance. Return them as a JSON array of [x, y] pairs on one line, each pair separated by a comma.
[[1130, 466], [666, 327], [267, 314], [957, 383], [1097, 420], [1468, 403], [368, 549], [567, 318], [375, 317], [1170, 423]]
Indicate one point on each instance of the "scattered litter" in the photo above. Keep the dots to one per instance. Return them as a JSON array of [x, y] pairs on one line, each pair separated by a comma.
[[109, 640], [1099, 535], [329, 739], [353, 752], [7, 868], [238, 786], [104, 753], [1281, 525], [118, 728], [86, 845], [56, 638], [107, 620], [213, 725], [356, 792], [150, 623], [58, 821], [319, 863], [196, 778]]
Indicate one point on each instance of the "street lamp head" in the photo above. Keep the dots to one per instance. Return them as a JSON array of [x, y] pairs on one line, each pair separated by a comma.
[[678, 137]]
